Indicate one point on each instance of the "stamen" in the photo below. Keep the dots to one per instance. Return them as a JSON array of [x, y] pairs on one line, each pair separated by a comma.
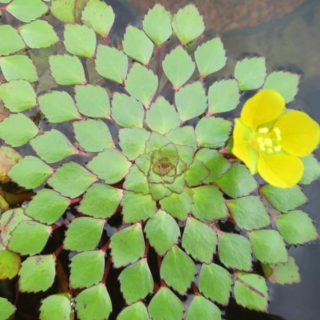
[[268, 142], [278, 133], [277, 148], [263, 130], [262, 146]]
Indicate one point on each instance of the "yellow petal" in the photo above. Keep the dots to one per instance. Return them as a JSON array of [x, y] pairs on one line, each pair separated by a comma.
[[241, 148], [266, 106], [280, 170], [299, 133]]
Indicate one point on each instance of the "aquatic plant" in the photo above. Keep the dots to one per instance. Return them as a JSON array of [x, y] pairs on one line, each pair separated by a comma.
[[130, 160]]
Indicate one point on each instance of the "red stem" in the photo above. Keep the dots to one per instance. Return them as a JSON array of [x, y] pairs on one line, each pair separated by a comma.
[[106, 270], [195, 288], [65, 221], [106, 246], [75, 200]]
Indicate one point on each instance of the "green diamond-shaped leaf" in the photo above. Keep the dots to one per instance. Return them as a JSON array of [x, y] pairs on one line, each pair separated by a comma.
[[30, 172], [58, 106], [284, 199], [100, 201], [127, 111], [8, 158], [83, 234], [191, 101], [92, 101], [178, 67], [80, 40], [178, 205], [111, 63], [136, 181], [250, 73], [311, 169], [137, 45], [188, 24], [93, 135], [136, 311], [196, 173], [296, 227], [37, 273], [215, 283], [9, 265], [223, 96], [55, 307], [162, 231], [38, 34], [99, 16], [159, 191], [67, 70], [127, 245], [162, 117], [214, 162], [64, 10], [157, 24], [251, 291], [136, 281], [210, 57], [199, 240], [172, 264], [94, 300], [282, 273], [137, 207], [268, 246], [166, 305], [10, 40], [212, 132], [27, 11], [286, 83], [7, 309], [47, 206], [235, 251], [249, 213], [18, 95], [87, 269], [208, 203], [71, 180], [201, 308], [29, 238], [229, 182], [53, 146], [110, 165], [18, 67], [142, 84]]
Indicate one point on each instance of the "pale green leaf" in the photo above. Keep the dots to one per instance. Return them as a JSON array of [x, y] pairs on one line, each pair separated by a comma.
[[210, 57], [183, 136], [137, 45], [127, 245], [64, 10], [136, 311], [56, 307], [27, 11], [136, 181], [170, 271], [286, 83], [201, 308], [223, 96], [110, 165], [196, 173], [178, 67], [311, 169], [6, 309], [111, 63], [157, 24], [8, 158], [67, 70], [9, 265], [191, 101], [93, 135], [38, 34], [80, 40], [188, 24], [18, 67], [37, 273], [18, 95], [71, 180], [136, 281], [100, 201], [10, 40], [83, 234], [250, 73]]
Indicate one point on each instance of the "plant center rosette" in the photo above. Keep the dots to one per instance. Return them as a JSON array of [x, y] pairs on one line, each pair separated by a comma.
[[122, 155]]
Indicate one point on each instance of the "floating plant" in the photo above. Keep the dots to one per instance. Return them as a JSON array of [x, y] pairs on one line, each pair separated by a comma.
[[132, 160]]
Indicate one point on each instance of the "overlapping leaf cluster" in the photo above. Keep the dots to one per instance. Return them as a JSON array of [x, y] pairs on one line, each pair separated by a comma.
[[166, 174]]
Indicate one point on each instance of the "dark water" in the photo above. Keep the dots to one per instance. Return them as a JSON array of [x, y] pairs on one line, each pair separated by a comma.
[[292, 43]]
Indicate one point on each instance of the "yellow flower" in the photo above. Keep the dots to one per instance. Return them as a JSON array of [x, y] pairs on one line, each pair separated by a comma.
[[270, 139]]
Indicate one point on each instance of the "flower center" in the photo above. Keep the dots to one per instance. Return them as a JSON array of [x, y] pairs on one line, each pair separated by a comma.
[[268, 141]]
